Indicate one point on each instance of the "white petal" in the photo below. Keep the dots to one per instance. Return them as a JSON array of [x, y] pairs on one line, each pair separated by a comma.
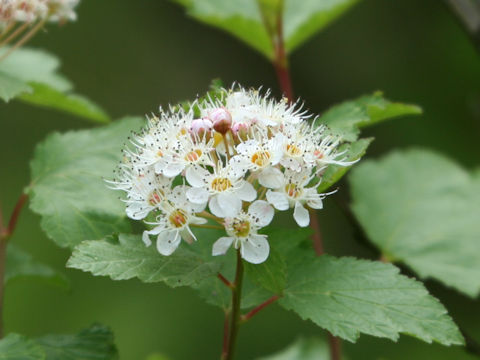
[[246, 192], [137, 210], [255, 249], [301, 215], [315, 202], [146, 238], [214, 207], [221, 246], [197, 195], [168, 241], [246, 147], [197, 220], [229, 203], [262, 211], [196, 176], [277, 199], [238, 166], [173, 169], [271, 177]]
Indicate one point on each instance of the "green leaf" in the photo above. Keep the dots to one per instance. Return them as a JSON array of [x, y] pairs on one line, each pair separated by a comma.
[[269, 274], [348, 118], [347, 297], [244, 19], [241, 18], [214, 291], [18, 347], [303, 349], [94, 343], [21, 265], [33, 65], [127, 256], [11, 87], [46, 96], [68, 189], [303, 19], [422, 209], [32, 76]]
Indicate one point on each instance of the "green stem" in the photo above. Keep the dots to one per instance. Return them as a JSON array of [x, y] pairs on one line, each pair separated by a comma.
[[235, 311]]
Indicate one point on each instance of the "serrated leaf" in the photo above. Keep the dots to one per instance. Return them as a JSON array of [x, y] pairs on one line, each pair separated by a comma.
[[10, 87], [245, 20], [347, 297], [68, 189], [303, 349], [127, 257], [211, 289], [18, 347], [348, 118], [345, 120], [422, 209], [46, 96], [21, 265], [94, 343]]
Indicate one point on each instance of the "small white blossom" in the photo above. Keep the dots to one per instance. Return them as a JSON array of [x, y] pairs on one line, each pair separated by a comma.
[[242, 231], [225, 188], [173, 224], [294, 193]]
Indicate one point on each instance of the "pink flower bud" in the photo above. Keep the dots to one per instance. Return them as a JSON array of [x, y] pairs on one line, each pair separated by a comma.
[[240, 130], [221, 119], [201, 126]]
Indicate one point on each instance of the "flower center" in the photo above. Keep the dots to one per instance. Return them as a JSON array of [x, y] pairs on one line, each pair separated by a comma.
[[159, 153], [155, 197], [293, 190], [293, 150], [178, 218], [241, 228], [193, 156], [221, 184], [261, 158], [318, 154]]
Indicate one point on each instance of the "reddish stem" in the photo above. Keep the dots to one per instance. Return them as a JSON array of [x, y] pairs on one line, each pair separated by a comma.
[[263, 305], [226, 327], [280, 61], [15, 214], [225, 281], [335, 347]]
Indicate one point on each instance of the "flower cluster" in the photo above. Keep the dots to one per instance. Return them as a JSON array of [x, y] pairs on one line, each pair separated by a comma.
[[30, 11], [243, 156]]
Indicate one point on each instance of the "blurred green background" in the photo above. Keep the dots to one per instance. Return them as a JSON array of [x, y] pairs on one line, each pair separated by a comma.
[[131, 56]]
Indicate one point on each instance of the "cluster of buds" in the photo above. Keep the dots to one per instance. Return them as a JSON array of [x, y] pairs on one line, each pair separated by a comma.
[[242, 157], [21, 19], [30, 11]]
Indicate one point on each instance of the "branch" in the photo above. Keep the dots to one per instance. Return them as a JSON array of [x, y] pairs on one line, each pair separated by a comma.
[[263, 305]]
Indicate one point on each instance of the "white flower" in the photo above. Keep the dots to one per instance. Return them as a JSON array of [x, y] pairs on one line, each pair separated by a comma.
[[294, 193], [323, 150], [173, 224], [242, 231], [62, 10], [224, 189], [260, 157], [187, 151]]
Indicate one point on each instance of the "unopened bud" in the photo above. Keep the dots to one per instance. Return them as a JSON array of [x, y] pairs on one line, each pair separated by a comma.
[[240, 130], [201, 127], [221, 119]]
